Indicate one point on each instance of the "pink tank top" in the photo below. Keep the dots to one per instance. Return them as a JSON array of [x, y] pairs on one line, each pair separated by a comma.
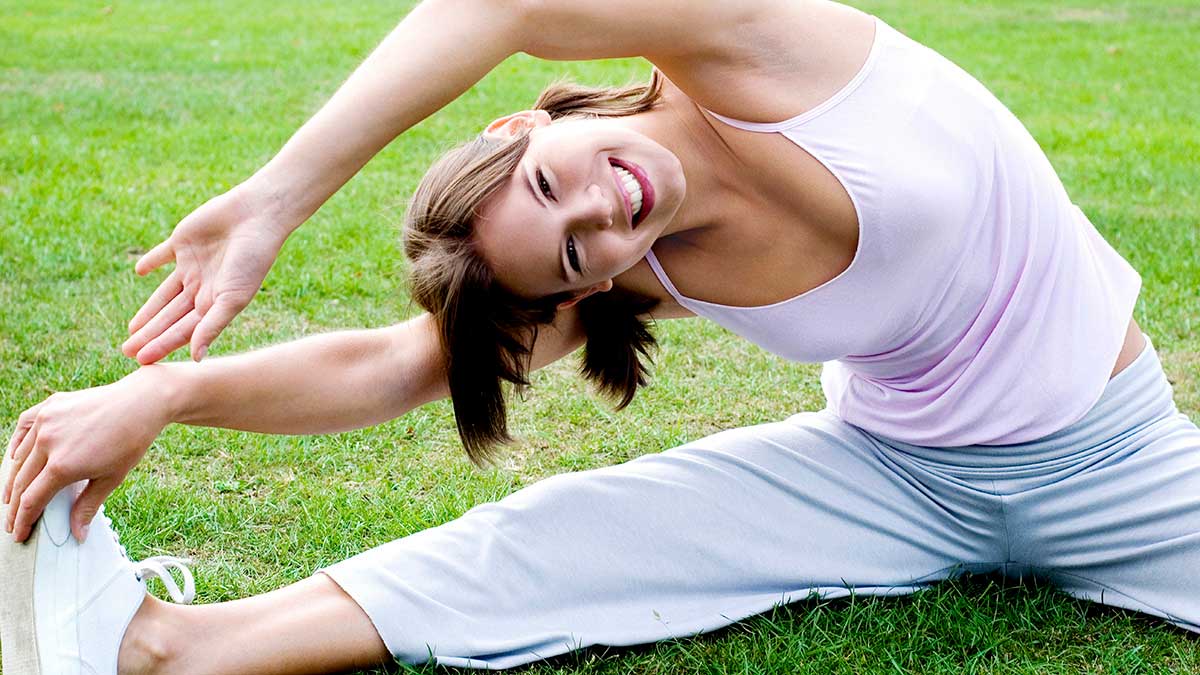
[[981, 307]]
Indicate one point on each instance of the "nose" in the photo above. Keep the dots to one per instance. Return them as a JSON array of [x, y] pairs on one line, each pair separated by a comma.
[[591, 209]]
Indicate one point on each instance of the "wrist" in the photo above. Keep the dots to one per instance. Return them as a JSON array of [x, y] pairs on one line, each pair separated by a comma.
[[165, 384], [280, 199]]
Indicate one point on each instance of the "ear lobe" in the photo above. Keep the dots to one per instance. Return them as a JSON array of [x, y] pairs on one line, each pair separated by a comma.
[[510, 126], [602, 287], [567, 304]]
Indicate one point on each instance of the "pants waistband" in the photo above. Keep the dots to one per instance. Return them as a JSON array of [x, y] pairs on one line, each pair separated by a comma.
[[1137, 396]]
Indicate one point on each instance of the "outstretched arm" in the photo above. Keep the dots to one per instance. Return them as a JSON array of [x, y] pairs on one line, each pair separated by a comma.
[[320, 384], [225, 248], [327, 383], [445, 46]]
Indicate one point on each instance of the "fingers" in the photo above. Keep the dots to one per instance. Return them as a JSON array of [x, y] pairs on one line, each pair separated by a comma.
[[24, 424], [21, 505], [33, 501], [19, 454], [171, 339], [176, 309], [214, 321], [88, 504], [155, 258], [167, 290]]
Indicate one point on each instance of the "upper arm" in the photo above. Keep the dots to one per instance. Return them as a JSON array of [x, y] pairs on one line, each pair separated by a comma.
[[663, 31], [737, 57]]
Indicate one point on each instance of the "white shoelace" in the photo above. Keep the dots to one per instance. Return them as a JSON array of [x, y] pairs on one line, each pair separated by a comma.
[[159, 566]]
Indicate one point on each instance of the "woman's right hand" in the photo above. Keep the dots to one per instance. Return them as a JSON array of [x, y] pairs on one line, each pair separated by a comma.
[[222, 252], [96, 435]]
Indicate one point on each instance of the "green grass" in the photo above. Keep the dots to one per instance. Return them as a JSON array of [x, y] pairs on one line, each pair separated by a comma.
[[116, 121]]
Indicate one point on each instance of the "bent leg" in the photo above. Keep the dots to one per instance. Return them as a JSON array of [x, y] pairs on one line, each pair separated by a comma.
[[672, 544], [1126, 531], [1128, 534]]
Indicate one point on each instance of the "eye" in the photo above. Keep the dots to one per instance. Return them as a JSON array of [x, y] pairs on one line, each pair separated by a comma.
[[543, 185], [572, 256]]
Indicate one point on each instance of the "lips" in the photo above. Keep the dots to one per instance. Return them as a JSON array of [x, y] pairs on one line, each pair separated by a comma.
[[643, 182]]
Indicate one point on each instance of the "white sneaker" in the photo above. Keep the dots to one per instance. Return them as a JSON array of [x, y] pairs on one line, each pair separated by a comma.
[[65, 606]]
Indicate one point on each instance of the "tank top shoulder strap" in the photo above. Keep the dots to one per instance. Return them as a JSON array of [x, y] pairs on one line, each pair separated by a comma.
[[664, 279], [882, 33]]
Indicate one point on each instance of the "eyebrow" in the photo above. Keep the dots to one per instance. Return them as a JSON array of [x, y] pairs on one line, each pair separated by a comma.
[[562, 270]]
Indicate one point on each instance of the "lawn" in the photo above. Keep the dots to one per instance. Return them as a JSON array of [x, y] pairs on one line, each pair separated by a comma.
[[117, 120]]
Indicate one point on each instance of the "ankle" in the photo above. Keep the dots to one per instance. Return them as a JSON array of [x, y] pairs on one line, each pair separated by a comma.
[[147, 647]]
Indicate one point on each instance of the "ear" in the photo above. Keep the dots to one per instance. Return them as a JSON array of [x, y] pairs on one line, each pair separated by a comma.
[[602, 287], [510, 126]]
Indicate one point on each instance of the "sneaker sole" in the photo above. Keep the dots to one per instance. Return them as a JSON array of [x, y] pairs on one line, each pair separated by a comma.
[[18, 645]]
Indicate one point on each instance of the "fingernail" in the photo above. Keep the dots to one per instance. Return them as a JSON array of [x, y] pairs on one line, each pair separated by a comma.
[[84, 530], [201, 353]]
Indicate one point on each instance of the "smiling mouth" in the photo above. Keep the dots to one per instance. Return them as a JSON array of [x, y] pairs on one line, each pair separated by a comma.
[[636, 190]]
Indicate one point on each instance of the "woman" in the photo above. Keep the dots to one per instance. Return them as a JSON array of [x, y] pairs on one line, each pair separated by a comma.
[[992, 406]]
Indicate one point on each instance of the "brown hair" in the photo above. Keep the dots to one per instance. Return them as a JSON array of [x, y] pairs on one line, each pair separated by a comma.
[[486, 331]]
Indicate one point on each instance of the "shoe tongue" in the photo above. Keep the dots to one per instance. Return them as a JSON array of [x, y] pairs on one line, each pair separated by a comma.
[[104, 544]]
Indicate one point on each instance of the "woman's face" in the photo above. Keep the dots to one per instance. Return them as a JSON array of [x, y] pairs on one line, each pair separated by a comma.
[[563, 221]]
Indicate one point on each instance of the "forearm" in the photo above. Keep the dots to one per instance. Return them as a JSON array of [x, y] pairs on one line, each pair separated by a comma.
[[436, 53], [320, 384]]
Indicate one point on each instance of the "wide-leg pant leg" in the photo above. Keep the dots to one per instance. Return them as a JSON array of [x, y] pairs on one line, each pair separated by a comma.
[[1124, 530], [673, 544]]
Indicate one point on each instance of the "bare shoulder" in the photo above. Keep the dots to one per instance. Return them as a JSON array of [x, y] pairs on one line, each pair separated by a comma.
[[758, 60]]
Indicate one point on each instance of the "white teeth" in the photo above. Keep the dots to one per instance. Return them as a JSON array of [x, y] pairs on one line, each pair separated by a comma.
[[632, 187]]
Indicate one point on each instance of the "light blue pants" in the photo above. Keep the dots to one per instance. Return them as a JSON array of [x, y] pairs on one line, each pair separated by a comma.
[[700, 536]]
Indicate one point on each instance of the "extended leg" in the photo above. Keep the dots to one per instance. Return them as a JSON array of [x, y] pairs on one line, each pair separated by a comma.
[[666, 545], [671, 545]]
